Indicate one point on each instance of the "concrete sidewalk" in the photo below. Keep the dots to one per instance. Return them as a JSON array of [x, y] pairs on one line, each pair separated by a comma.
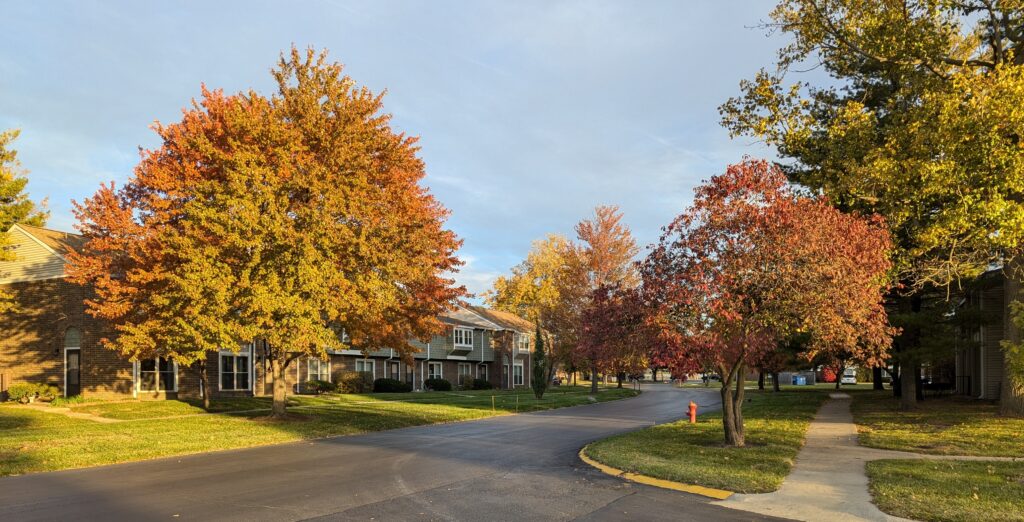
[[828, 481]]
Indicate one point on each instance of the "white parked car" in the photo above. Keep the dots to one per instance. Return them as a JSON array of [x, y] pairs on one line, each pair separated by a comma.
[[849, 376]]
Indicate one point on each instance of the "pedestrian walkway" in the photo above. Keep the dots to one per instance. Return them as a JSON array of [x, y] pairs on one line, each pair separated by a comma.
[[828, 480]]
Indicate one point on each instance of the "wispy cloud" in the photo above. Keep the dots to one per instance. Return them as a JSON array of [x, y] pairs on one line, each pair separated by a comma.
[[530, 113]]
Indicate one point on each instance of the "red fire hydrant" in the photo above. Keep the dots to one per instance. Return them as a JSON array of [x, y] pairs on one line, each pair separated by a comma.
[[693, 412]]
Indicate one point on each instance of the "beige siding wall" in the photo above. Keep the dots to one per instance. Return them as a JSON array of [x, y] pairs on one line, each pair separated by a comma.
[[33, 261]]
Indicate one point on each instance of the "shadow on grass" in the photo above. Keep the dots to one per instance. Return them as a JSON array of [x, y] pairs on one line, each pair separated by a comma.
[[43, 441], [946, 425]]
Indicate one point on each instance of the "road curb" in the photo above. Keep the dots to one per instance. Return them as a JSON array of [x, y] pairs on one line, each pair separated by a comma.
[[718, 494]]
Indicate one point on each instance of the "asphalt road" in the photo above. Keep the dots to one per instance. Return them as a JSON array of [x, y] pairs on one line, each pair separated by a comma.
[[519, 467]]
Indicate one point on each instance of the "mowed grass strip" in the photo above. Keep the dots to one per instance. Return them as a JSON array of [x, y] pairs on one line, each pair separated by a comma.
[[695, 453], [940, 426], [948, 490], [33, 441]]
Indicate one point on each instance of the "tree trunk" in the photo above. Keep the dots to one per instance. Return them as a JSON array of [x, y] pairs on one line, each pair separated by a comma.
[[775, 381], [908, 386], [897, 382], [876, 379], [910, 368], [619, 377], [732, 409], [1011, 400], [593, 380], [279, 406], [760, 381], [1011, 403], [204, 378], [738, 407]]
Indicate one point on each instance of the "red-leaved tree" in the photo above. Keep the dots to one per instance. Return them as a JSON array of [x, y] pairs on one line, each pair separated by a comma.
[[754, 261], [616, 331]]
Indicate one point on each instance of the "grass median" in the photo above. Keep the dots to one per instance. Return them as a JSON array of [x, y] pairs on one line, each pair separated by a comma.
[[694, 453], [32, 440]]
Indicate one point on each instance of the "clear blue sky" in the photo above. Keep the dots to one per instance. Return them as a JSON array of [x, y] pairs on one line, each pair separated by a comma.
[[529, 113]]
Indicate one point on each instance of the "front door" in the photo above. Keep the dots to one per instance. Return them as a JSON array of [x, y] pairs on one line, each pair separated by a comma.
[[73, 373]]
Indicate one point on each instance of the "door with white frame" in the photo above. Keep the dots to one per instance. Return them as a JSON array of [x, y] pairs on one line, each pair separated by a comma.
[[72, 362]]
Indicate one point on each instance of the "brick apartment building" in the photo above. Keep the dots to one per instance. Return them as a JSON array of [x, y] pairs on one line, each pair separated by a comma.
[[49, 338]]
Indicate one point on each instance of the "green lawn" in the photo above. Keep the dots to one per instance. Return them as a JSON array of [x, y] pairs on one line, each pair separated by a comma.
[[948, 490], [32, 441], [694, 454], [943, 426], [943, 490]]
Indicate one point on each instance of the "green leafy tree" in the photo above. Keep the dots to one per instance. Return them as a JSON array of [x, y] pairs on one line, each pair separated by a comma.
[[920, 121], [15, 205]]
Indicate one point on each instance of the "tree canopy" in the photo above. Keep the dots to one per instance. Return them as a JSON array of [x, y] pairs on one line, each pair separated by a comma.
[[920, 122], [297, 220], [754, 261], [559, 277]]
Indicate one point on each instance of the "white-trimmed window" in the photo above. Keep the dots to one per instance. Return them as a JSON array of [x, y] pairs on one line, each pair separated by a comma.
[[160, 374], [365, 365], [517, 374], [465, 372], [234, 371], [463, 337], [523, 341], [481, 371], [319, 369], [434, 370]]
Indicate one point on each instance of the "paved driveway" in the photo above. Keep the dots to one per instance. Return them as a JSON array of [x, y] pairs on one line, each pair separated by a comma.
[[520, 467]]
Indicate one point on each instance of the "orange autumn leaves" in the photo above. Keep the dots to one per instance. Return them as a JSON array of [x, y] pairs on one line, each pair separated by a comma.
[[288, 218]]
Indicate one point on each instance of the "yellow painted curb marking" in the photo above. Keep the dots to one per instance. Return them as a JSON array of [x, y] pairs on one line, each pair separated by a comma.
[[719, 494]]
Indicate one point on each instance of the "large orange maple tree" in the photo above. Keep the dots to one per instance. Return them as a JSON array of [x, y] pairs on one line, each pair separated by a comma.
[[755, 261], [296, 221]]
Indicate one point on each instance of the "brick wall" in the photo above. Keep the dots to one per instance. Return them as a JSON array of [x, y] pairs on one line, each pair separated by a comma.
[[32, 340]]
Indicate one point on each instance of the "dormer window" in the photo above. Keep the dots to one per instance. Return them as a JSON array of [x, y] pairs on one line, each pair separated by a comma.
[[463, 337]]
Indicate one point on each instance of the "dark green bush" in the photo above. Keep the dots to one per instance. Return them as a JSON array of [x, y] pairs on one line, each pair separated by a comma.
[[437, 385], [355, 382], [383, 385], [317, 387], [478, 384]]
